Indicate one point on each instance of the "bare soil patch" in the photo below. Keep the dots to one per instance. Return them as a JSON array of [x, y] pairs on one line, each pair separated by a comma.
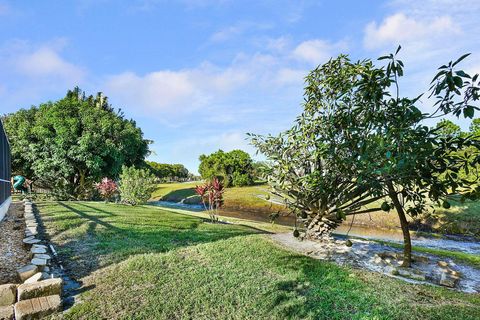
[[12, 252]]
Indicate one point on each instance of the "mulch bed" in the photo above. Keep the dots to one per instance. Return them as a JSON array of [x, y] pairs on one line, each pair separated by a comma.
[[12, 252]]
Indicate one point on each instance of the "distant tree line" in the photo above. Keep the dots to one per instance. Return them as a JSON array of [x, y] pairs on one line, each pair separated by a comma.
[[169, 172]]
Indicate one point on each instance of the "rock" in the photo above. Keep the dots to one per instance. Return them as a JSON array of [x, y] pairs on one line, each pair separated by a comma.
[[422, 259], [39, 246], [31, 241], [6, 313], [37, 308], [448, 280], [411, 274], [38, 250], [46, 275], [35, 278], [27, 271], [39, 289], [33, 230], [32, 224], [42, 256], [8, 294], [39, 262]]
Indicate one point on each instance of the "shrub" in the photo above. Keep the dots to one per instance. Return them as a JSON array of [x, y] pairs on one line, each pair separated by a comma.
[[107, 188], [136, 185], [211, 194]]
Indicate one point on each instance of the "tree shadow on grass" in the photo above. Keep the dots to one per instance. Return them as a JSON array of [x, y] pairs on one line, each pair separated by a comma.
[[178, 195], [109, 239], [322, 290]]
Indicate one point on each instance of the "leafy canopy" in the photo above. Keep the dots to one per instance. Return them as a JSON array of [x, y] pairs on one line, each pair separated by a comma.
[[71, 143], [358, 140], [169, 172], [235, 168]]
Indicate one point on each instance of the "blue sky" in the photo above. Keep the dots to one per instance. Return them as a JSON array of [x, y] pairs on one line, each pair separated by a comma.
[[197, 75]]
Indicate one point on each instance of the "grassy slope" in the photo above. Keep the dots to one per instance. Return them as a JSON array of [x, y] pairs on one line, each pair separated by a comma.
[[461, 218], [166, 265], [238, 198]]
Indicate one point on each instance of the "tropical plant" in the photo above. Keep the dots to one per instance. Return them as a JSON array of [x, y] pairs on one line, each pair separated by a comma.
[[136, 185], [211, 194], [356, 133], [107, 188]]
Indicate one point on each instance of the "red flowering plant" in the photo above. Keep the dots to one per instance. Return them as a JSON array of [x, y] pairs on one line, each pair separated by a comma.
[[107, 188], [212, 197]]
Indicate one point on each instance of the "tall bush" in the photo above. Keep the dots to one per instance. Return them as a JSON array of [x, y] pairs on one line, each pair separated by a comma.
[[136, 185]]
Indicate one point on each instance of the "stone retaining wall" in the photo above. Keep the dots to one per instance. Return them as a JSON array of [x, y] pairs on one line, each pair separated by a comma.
[[39, 293]]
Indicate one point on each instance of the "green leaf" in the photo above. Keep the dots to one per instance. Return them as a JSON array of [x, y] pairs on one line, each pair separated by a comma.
[[458, 81], [460, 59], [398, 49], [469, 112]]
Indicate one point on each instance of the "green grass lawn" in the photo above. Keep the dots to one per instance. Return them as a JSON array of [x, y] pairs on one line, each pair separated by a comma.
[[150, 263], [461, 218], [175, 191]]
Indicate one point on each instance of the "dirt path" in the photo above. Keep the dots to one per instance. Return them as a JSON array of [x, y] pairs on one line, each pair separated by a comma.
[[12, 253]]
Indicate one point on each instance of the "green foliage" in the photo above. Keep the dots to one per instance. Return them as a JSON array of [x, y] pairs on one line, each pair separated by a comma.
[[69, 144], [241, 179], [235, 168], [168, 172], [356, 133], [448, 128], [136, 185]]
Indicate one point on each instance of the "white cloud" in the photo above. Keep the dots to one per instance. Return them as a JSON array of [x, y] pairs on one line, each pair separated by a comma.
[[317, 51], [46, 62], [399, 28], [291, 76], [227, 33], [32, 73], [173, 91]]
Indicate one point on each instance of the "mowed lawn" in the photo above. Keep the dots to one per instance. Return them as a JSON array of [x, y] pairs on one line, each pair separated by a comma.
[[462, 218], [149, 263]]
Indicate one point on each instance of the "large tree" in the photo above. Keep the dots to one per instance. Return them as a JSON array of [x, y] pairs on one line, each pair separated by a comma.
[[356, 125], [71, 143], [235, 168]]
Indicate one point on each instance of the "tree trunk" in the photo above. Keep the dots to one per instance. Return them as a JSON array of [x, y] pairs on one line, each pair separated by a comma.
[[407, 249], [320, 228]]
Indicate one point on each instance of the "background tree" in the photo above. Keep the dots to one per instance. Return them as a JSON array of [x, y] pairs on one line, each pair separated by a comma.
[[375, 142], [234, 168], [448, 128], [69, 144], [168, 172]]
